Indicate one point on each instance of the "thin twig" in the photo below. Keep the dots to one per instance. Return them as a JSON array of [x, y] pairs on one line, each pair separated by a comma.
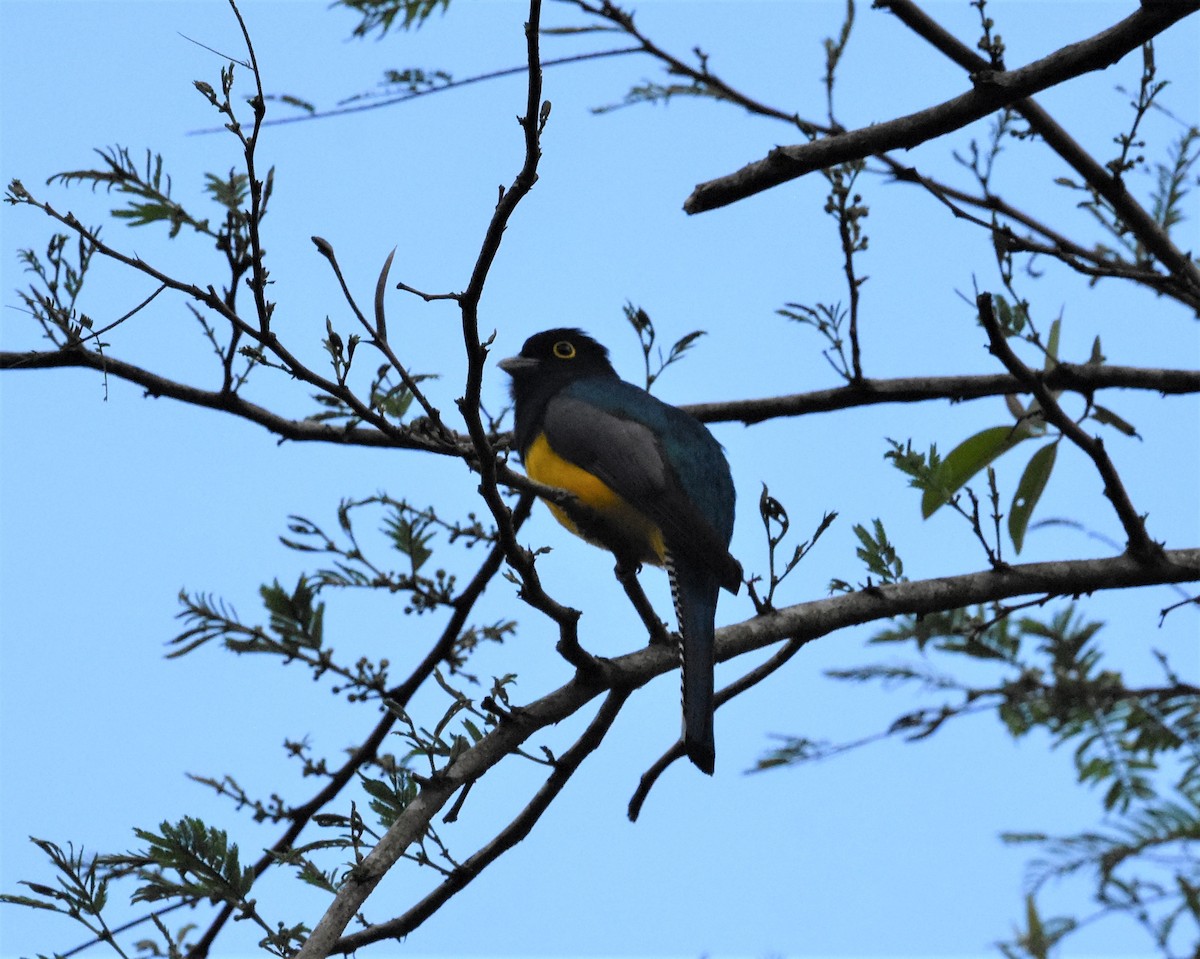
[[736, 688], [458, 879], [378, 333], [452, 85], [1089, 262], [258, 106]]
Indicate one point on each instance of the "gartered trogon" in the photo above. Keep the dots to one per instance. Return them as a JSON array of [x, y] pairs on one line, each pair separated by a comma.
[[651, 485]]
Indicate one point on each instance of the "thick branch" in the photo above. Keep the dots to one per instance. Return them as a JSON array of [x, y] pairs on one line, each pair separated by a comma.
[[1073, 377], [992, 91], [1079, 378], [1062, 578], [804, 622]]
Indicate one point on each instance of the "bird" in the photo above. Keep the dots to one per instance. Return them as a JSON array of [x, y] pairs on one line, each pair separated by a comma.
[[650, 484]]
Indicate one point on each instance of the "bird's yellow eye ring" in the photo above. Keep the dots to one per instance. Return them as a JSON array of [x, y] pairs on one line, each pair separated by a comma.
[[564, 350]]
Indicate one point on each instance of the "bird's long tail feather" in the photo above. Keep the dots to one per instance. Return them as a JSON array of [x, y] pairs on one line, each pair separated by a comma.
[[695, 594]]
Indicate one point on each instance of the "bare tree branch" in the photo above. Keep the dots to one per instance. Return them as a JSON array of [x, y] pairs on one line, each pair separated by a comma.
[[992, 91], [1100, 179], [1073, 377], [1097, 263], [1179, 282]]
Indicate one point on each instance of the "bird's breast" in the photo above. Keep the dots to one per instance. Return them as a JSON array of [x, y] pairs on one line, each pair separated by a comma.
[[607, 519]]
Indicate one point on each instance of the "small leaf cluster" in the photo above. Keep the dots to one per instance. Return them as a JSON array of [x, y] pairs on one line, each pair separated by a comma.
[[941, 479], [408, 530], [148, 186], [642, 325], [441, 745], [876, 551], [383, 15], [776, 525], [295, 628], [990, 43], [649, 92], [846, 206], [182, 863], [385, 393], [58, 280], [828, 320], [81, 890], [186, 860]]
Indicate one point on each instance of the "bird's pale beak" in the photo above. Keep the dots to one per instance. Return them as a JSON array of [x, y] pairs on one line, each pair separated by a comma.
[[516, 364]]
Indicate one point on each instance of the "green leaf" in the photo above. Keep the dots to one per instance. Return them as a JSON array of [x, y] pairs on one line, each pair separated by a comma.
[[1029, 491], [231, 193], [382, 15], [142, 214], [395, 402], [391, 797], [1052, 347], [1013, 317], [189, 860], [965, 460], [878, 553], [409, 537], [1035, 935], [1106, 416], [294, 617], [289, 100]]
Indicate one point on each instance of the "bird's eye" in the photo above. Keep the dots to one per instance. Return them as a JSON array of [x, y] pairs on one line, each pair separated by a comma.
[[564, 350]]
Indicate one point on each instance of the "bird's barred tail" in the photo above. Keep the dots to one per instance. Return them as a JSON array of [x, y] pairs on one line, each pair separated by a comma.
[[695, 596]]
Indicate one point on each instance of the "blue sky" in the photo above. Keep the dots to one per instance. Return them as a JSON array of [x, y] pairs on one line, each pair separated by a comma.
[[110, 504]]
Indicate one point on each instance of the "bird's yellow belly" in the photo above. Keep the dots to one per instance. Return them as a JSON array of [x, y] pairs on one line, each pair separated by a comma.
[[614, 523]]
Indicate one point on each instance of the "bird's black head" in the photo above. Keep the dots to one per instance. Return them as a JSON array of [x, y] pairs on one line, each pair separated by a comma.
[[558, 354], [554, 357], [547, 362]]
